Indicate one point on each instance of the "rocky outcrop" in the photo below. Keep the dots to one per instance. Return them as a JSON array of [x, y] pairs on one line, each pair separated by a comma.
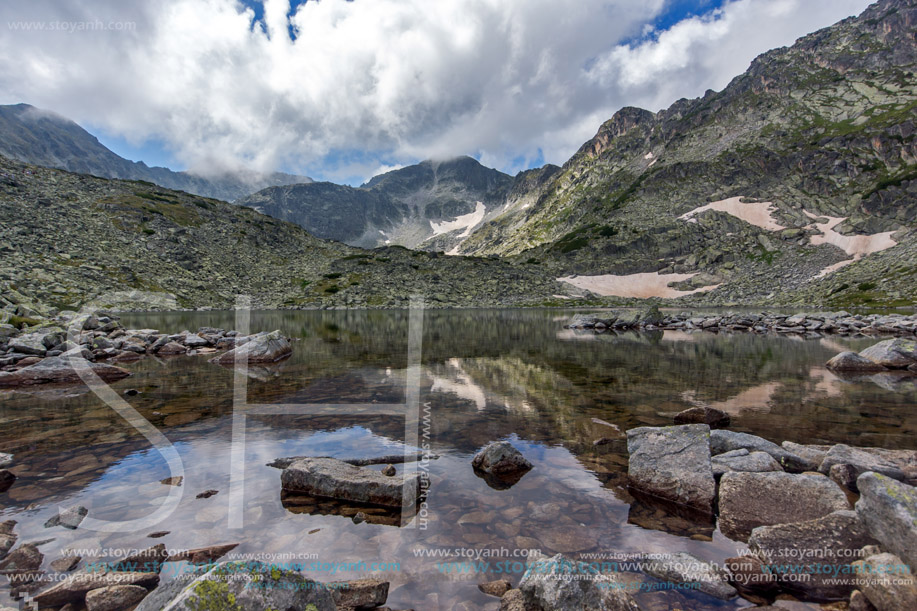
[[749, 500], [561, 584], [331, 478], [500, 464], [673, 463], [261, 348], [242, 586], [813, 556], [889, 510]]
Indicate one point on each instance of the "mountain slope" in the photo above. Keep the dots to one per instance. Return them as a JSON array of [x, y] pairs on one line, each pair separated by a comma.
[[823, 131], [37, 136], [431, 205], [66, 239]]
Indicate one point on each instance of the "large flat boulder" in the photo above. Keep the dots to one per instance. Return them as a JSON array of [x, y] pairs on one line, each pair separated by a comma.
[[561, 584], [261, 348], [673, 463], [898, 353], [332, 478], [59, 370], [749, 500], [889, 509], [851, 362], [722, 441], [240, 586], [813, 557]]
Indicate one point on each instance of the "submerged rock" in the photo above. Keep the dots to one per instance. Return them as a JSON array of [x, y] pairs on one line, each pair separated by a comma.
[[749, 500], [261, 348], [241, 586], [673, 463], [24, 558], [560, 584], [68, 518], [812, 556], [680, 567], [714, 418], [59, 370], [332, 478], [500, 464], [889, 509], [851, 361]]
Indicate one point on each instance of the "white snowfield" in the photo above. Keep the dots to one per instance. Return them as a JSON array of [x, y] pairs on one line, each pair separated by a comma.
[[759, 214], [466, 221]]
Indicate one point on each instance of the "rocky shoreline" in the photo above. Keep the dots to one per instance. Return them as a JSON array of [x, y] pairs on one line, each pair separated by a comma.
[[55, 351], [810, 325]]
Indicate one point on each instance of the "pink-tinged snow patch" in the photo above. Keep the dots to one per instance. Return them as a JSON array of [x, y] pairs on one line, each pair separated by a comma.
[[759, 214], [640, 286], [858, 246]]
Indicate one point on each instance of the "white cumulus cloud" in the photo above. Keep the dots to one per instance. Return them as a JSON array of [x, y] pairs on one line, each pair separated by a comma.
[[368, 84]]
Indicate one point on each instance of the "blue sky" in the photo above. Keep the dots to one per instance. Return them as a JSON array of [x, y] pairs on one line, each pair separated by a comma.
[[365, 86]]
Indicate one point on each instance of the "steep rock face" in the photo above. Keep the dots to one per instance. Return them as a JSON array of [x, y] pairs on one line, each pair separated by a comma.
[[433, 204], [824, 130], [33, 135]]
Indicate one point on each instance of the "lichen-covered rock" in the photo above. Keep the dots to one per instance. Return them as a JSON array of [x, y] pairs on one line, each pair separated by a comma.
[[821, 550], [332, 478], [898, 353], [889, 509], [673, 463], [241, 586], [561, 584], [749, 500]]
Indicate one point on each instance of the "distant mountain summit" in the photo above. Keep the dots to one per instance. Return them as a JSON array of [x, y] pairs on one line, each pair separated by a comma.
[[432, 205], [40, 137]]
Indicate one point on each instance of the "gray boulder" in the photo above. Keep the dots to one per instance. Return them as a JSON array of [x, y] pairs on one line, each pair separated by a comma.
[[114, 598], [240, 586], [853, 362], [722, 441], [59, 370], [560, 584], [812, 454], [68, 518], [743, 460], [889, 509], [887, 582], [261, 348], [195, 341], [813, 556], [681, 567], [37, 342], [332, 478], [749, 500], [898, 353], [866, 459], [500, 464], [673, 463]]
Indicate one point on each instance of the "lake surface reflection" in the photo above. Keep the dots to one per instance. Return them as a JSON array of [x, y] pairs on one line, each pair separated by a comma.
[[485, 376]]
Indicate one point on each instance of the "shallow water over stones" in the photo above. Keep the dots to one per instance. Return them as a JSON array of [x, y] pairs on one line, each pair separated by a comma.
[[485, 376]]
